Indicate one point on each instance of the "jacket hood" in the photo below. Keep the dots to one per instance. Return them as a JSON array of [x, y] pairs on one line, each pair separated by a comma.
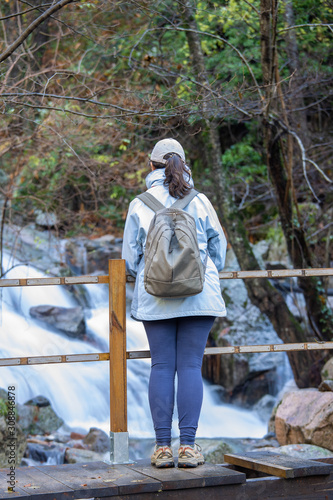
[[157, 177]]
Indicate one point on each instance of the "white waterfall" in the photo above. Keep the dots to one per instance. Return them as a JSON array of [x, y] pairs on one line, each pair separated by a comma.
[[79, 392]]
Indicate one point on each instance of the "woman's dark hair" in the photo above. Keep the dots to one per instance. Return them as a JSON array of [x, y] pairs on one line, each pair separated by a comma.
[[174, 175]]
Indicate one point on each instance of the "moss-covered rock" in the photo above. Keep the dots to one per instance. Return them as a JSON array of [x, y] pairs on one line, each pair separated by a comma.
[[217, 456], [13, 443], [47, 420], [327, 370]]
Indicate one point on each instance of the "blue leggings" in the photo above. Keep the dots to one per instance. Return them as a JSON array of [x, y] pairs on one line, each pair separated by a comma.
[[176, 346]]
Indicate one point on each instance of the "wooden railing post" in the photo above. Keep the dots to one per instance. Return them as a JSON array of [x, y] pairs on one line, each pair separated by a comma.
[[117, 347]]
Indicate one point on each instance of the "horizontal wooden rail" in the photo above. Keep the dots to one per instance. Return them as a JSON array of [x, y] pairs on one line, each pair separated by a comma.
[[89, 280], [56, 358], [71, 280], [277, 273], [141, 354], [236, 349]]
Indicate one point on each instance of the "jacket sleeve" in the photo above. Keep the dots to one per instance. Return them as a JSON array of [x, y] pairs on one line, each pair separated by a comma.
[[132, 246], [216, 240]]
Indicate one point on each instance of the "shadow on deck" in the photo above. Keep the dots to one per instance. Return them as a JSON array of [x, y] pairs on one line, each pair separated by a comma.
[[292, 479]]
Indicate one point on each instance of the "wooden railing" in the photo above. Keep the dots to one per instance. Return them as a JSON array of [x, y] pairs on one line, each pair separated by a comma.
[[118, 355]]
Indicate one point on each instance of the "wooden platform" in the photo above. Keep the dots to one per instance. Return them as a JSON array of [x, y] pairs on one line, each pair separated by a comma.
[[98, 479], [140, 480], [279, 465]]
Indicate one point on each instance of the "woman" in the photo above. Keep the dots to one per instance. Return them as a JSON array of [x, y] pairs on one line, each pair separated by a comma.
[[177, 328]]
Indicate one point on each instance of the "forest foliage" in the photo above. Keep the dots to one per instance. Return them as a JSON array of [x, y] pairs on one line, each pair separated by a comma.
[[87, 93], [88, 87]]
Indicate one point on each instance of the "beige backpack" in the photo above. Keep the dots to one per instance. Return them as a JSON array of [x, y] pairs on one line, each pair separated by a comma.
[[173, 267]]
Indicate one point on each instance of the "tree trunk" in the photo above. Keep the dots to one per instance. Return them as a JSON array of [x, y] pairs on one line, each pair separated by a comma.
[[306, 365], [2, 227], [297, 118], [319, 315]]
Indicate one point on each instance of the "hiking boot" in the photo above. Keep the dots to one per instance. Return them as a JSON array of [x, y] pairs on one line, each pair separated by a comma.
[[162, 457], [190, 456]]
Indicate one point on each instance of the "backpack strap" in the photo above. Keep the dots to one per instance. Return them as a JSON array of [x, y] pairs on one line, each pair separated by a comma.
[[156, 205], [151, 201], [181, 203]]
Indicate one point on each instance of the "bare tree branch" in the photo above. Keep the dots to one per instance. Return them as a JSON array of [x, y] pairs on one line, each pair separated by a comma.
[[304, 157], [39, 20], [125, 111], [16, 14], [319, 170], [65, 24], [106, 104], [320, 230], [329, 93], [252, 6], [330, 26], [247, 191]]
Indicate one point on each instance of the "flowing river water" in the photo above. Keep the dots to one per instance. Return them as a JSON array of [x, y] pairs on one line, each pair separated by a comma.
[[79, 392]]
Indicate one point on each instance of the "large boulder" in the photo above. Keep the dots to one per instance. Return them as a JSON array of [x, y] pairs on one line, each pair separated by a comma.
[[85, 256], [305, 416], [45, 452], [217, 456], [69, 320], [41, 249], [97, 440], [304, 451], [40, 401], [34, 419], [27, 417], [327, 370], [47, 420], [49, 253], [12, 445], [77, 455], [47, 220], [12, 438], [326, 385]]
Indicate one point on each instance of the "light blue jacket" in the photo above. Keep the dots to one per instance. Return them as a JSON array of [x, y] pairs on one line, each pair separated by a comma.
[[210, 237]]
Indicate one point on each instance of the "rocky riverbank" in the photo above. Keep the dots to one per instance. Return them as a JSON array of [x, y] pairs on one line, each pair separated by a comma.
[[244, 378], [300, 426], [60, 257], [247, 380]]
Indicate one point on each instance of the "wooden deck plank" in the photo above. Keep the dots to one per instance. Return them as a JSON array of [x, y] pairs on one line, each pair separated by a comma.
[[278, 465], [302, 488], [141, 481], [86, 481], [266, 488], [173, 478], [37, 484], [117, 476], [128, 481], [4, 493], [71, 481], [216, 475]]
